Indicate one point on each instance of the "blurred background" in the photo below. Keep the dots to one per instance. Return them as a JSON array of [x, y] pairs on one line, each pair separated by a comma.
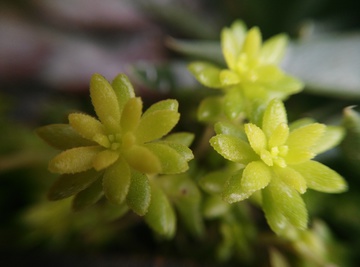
[[50, 48]]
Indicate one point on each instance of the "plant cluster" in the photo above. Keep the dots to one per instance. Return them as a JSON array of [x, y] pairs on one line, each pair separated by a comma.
[[138, 161]]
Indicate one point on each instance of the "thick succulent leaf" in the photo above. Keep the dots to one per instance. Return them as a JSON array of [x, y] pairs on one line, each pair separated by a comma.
[[332, 136], [168, 104], [229, 78], [170, 160], [228, 128], [74, 160], [256, 137], [62, 136], [210, 109], [215, 207], [292, 178], [232, 41], [279, 136], [104, 159], [320, 177], [131, 114], [233, 103], [149, 162], [351, 144], [86, 125], [256, 176], [300, 123], [213, 182], [139, 194], [181, 149], [88, 196], [104, 101], [252, 43], [156, 124], [123, 90], [269, 74], [183, 138], [206, 73], [274, 115], [284, 208], [116, 181], [233, 191], [232, 148], [284, 86], [160, 216], [184, 193], [70, 184], [273, 49]]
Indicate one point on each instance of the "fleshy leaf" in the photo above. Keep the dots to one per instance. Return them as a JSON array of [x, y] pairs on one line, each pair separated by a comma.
[[156, 124], [206, 73], [160, 216], [256, 176], [274, 115], [252, 43], [168, 104], [228, 78], [86, 125], [228, 128], [332, 136], [284, 208], [292, 178], [123, 90], [104, 159], [215, 206], [210, 109], [70, 184], [139, 195], [213, 182], [88, 196], [320, 177], [171, 161], [62, 136], [232, 148], [183, 138], [74, 160], [104, 101], [273, 49], [131, 114], [233, 103], [149, 162], [181, 149], [233, 191], [116, 181], [256, 136], [279, 136]]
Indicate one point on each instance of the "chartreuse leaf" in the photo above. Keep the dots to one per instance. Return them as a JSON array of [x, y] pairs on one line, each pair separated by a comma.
[[273, 49], [274, 115], [232, 148], [123, 90], [116, 181], [228, 128], [168, 104], [256, 176], [139, 195], [284, 208], [228, 77], [256, 136], [86, 125], [210, 109], [206, 73], [70, 184], [149, 162], [320, 177], [160, 215], [131, 114], [214, 207], [233, 189], [332, 136], [88, 196], [181, 149], [252, 43], [156, 124], [62, 136], [104, 101], [171, 161], [183, 138], [184, 193], [104, 159], [233, 103], [74, 160], [292, 178], [213, 182], [279, 136]]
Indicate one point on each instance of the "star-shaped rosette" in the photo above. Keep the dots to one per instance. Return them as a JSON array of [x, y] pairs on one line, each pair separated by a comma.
[[252, 71], [115, 153], [277, 161]]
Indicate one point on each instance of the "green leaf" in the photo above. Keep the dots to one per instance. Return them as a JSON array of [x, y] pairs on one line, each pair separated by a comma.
[[279, 136], [256, 176], [274, 115], [215, 207], [139, 195], [171, 161], [70, 184], [229, 78], [123, 90], [104, 159], [168, 104], [233, 191], [88, 196], [116, 182], [332, 137], [292, 178], [284, 208], [104, 101], [233, 103], [273, 49], [74, 160], [86, 125], [233, 148], [149, 162], [256, 137], [131, 115], [62, 136], [206, 73], [156, 124], [320, 177], [213, 182], [160, 216], [252, 43], [210, 109], [183, 138], [181, 149], [229, 128]]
